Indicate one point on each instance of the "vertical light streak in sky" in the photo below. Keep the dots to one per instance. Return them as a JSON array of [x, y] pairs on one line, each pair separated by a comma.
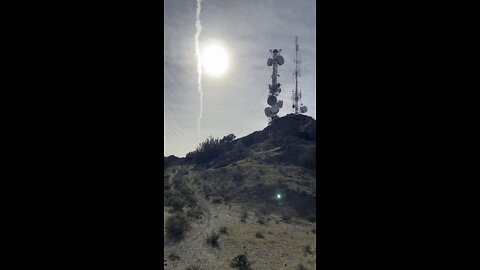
[[198, 27]]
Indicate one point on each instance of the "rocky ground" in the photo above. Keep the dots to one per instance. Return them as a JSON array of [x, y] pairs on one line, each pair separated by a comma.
[[283, 245]]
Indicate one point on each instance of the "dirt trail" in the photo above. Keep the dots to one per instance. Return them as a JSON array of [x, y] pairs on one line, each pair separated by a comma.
[[193, 248], [282, 247]]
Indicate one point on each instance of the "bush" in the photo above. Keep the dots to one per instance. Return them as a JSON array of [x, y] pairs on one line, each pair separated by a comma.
[[244, 214], [176, 202], [212, 239], [227, 198], [308, 249], [227, 139], [308, 158], [193, 268], [301, 267], [177, 225], [264, 210], [188, 196], [208, 150], [238, 177], [259, 235], [241, 262], [287, 215], [217, 201], [223, 230], [173, 256], [194, 212], [261, 219]]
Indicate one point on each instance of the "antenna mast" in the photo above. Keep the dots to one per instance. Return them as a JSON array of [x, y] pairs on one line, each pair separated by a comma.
[[274, 88], [297, 93]]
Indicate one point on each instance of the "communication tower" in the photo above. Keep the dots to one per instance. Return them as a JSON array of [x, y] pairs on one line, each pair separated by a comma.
[[297, 93], [274, 88]]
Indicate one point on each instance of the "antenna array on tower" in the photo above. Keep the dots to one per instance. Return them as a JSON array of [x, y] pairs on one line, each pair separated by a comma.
[[274, 88], [297, 93]]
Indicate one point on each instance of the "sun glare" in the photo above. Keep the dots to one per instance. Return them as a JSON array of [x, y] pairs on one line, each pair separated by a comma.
[[214, 60]]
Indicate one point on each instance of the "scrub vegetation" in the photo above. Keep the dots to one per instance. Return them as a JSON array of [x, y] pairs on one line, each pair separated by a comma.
[[244, 203]]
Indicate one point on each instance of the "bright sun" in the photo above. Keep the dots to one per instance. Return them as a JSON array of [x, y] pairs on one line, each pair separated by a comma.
[[214, 60]]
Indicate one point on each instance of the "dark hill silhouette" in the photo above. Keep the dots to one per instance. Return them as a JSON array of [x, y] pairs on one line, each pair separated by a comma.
[[250, 170], [293, 133]]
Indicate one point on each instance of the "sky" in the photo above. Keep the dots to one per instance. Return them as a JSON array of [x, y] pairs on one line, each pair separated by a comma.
[[234, 102]]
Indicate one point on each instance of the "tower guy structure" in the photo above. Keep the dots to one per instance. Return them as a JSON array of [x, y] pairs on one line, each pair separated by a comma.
[[274, 88], [297, 93]]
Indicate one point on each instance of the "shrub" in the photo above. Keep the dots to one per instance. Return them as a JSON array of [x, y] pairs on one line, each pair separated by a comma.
[[194, 212], [264, 210], [167, 193], [241, 262], [176, 202], [261, 219], [308, 249], [301, 267], [177, 225], [166, 186], [208, 150], [312, 218], [308, 158], [217, 200], [188, 196], [227, 197], [173, 256], [244, 214], [259, 235], [248, 140], [193, 268], [287, 215], [223, 230], [212, 239], [237, 176], [227, 139]]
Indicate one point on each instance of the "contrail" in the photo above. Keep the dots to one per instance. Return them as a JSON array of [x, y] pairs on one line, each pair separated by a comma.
[[198, 27]]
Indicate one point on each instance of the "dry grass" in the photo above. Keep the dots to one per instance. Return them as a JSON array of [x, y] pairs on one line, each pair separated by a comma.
[[283, 246]]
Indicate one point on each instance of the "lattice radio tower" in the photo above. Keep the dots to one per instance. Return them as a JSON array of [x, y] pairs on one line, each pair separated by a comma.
[[297, 93]]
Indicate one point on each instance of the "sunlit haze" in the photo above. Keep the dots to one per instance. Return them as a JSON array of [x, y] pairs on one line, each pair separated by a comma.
[[214, 60], [234, 45]]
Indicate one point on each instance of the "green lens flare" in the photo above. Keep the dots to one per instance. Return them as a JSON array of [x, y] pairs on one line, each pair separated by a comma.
[[279, 196]]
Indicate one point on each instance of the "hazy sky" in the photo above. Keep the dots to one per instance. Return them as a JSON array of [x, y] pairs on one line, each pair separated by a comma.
[[235, 102]]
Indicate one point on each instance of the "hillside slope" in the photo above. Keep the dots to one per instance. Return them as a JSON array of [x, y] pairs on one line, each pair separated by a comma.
[[261, 183]]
